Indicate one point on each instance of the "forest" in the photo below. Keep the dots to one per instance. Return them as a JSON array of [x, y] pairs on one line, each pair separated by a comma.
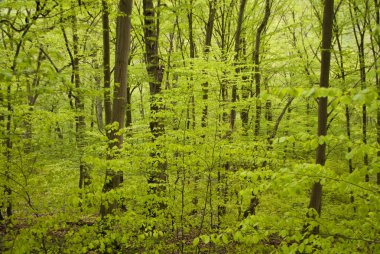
[[190, 126]]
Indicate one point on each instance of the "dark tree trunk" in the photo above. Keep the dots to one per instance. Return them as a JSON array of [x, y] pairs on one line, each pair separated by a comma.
[[80, 125], [128, 116], [157, 176], [191, 120], [32, 98], [256, 60], [376, 54], [254, 199], [123, 41], [209, 30], [8, 152], [106, 62], [320, 158], [278, 121], [245, 94], [359, 33], [343, 77], [237, 58]]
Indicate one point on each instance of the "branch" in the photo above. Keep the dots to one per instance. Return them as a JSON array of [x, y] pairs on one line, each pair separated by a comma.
[[275, 128], [52, 63]]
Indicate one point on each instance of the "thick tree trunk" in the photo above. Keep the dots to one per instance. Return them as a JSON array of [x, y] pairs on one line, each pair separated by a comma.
[[320, 158], [157, 176], [123, 41]]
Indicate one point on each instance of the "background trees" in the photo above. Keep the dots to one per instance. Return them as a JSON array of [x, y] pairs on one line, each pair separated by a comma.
[[169, 108]]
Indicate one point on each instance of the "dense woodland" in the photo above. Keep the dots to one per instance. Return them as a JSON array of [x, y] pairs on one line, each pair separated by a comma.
[[189, 126]]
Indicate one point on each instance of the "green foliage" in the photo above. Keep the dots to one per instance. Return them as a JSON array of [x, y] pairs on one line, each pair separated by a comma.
[[215, 175]]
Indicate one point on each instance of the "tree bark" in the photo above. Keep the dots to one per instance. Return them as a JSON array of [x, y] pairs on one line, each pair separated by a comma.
[[157, 176], [359, 33], [237, 57], [106, 62], [209, 30], [343, 77], [256, 60], [80, 125], [320, 158], [191, 108], [376, 57], [123, 41]]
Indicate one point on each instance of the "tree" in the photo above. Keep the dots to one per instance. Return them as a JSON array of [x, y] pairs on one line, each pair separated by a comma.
[[206, 50], [237, 56], [157, 176], [256, 58], [320, 157], [123, 41]]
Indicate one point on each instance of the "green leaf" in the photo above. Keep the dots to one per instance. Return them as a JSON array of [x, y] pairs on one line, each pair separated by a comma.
[[255, 238], [225, 239], [205, 238], [238, 236]]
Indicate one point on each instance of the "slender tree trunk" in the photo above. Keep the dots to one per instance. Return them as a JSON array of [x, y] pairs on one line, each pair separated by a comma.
[[343, 77], [359, 33], [256, 60], [128, 116], [320, 157], [223, 29], [106, 62], [191, 120], [8, 152], [209, 30], [245, 94], [32, 97], [251, 210], [237, 57], [376, 57], [99, 104], [123, 41], [278, 121], [2, 120], [84, 177], [340, 62]]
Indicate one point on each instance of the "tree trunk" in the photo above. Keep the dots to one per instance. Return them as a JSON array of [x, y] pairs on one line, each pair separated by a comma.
[[106, 63], [359, 33], [256, 60], [320, 158], [209, 30], [254, 199], [157, 176], [80, 125], [123, 41], [191, 120], [376, 54], [343, 77], [237, 57]]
